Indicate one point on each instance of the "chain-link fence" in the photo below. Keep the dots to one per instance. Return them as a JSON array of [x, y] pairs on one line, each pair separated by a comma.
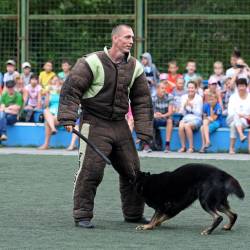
[[204, 30]]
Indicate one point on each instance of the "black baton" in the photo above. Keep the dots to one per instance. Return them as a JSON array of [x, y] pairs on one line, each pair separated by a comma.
[[92, 146]]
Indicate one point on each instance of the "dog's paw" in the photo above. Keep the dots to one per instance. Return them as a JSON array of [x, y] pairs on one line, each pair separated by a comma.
[[205, 232], [144, 227], [227, 227]]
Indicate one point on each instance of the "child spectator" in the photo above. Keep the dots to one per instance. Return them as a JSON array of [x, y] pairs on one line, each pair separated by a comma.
[[11, 73], [163, 110], [150, 71], [191, 73], [172, 76], [11, 103], [213, 88], [212, 115], [219, 74], [45, 76], [66, 69], [228, 90], [177, 93], [238, 112], [51, 110], [199, 82], [19, 86], [191, 108], [26, 74], [32, 97]]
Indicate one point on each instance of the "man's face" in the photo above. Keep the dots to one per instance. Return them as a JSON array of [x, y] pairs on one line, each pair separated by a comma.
[[123, 40]]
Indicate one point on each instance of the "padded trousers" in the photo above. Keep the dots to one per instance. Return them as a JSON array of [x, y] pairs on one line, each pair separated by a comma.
[[114, 139]]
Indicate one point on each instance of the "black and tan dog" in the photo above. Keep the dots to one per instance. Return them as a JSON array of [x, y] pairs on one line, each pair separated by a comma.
[[171, 192]]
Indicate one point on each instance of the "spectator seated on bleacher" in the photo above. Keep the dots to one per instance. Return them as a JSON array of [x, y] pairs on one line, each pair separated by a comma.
[[11, 103], [26, 74], [191, 108], [11, 73], [32, 97], [177, 93], [213, 88], [150, 71], [163, 110], [191, 74], [212, 115], [51, 110], [66, 66], [227, 91], [46, 76], [239, 113]]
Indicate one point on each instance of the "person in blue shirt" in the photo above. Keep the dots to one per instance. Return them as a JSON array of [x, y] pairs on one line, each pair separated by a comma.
[[212, 115]]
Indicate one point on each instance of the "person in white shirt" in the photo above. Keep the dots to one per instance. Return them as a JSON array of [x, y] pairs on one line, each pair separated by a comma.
[[191, 108], [238, 113]]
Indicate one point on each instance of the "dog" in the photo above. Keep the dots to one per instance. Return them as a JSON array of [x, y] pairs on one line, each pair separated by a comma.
[[169, 193]]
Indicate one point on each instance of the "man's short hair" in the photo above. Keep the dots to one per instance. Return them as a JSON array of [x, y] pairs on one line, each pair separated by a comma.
[[241, 81], [191, 61], [118, 28]]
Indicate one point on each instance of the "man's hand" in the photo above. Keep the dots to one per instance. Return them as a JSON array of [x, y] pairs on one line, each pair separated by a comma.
[[69, 128]]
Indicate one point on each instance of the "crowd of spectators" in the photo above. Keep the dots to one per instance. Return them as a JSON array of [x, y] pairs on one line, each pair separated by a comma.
[[179, 100], [23, 94], [183, 101]]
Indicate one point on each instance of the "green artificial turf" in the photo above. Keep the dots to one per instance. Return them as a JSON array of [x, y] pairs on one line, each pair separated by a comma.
[[36, 210]]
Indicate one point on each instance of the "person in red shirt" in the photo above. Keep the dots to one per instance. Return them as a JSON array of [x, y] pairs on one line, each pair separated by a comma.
[[172, 76]]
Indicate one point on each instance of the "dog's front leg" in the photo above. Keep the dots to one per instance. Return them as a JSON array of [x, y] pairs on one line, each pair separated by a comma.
[[156, 220]]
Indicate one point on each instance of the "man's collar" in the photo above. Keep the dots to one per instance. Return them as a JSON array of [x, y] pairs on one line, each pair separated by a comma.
[[127, 56]]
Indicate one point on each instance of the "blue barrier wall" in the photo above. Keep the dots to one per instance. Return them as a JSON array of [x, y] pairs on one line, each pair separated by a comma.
[[32, 134], [220, 141]]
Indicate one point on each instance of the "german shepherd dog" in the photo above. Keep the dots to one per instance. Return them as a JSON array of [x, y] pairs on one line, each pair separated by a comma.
[[169, 193]]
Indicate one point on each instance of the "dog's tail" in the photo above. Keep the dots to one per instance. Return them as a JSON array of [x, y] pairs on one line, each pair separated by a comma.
[[233, 187]]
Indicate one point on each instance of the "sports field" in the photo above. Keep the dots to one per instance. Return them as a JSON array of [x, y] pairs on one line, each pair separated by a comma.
[[36, 204]]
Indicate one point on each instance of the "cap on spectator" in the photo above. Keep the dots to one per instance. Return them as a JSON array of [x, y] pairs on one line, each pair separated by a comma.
[[11, 62], [163, 76], [10, 84], [212, 80], [26, 65]]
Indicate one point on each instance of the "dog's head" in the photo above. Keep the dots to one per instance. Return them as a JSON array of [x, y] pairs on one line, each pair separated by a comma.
[[140, 180]]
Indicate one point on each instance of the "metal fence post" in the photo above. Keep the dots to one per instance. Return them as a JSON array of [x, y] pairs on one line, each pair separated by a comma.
[[23, 30], [139, 27]]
